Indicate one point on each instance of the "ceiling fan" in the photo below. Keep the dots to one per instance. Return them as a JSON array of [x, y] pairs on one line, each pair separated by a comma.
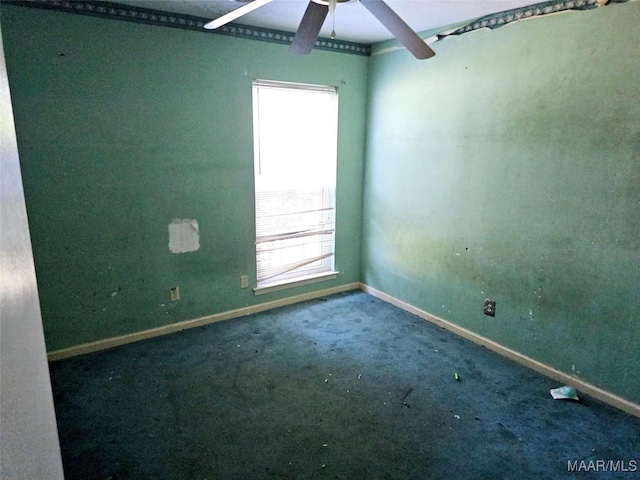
[[315, 15]]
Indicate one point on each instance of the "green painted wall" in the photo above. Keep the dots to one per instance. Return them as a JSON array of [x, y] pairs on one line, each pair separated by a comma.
[[124, 127], [508, 167]]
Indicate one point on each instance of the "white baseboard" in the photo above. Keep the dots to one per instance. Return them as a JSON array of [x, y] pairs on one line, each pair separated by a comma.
[[198, 322], [566, 379]]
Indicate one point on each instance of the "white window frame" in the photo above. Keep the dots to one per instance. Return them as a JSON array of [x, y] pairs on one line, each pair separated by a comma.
[[319, 238]]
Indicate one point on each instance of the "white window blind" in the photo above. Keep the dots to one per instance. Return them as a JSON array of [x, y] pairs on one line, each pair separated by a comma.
[[295, 141]]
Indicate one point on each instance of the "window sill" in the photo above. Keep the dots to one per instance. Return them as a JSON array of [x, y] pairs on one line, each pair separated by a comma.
[[277, 286]]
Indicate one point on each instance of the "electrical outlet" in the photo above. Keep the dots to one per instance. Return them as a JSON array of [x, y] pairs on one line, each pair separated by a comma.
[[490, 308], [174, 292], [244, 281]]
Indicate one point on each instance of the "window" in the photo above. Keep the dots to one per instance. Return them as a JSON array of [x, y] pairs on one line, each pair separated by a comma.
[[295, 150]]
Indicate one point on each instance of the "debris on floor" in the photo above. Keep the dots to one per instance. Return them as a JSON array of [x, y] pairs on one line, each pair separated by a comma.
[[564, 393], [405, 397]]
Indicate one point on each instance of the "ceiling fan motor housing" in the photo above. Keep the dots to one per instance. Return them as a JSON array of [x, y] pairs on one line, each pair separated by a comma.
[[326, 2]]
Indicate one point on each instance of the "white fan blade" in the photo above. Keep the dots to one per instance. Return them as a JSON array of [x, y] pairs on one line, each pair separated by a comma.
[[390, 19], [238, 12]]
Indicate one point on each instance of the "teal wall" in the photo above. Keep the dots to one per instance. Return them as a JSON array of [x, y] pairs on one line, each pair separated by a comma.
[[135, 126], [508, 167]]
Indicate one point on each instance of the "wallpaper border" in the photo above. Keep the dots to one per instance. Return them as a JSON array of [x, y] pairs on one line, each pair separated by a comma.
[[115, 11], [500, 19]]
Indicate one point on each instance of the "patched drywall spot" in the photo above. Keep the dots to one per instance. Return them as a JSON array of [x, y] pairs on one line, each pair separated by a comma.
[[184, 235]]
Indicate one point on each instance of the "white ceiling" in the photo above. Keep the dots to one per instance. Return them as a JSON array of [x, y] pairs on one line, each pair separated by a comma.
[[352, 21]]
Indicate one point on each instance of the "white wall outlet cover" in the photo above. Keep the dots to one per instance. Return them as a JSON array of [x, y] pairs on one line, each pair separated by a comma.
[[184, 235]]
